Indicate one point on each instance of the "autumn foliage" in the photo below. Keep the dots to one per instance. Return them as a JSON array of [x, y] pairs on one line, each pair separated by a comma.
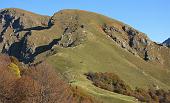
[[37, 84], [111, 82]]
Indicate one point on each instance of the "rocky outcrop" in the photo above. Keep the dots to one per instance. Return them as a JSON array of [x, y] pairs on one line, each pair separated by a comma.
[[16, 31], [129, 30], [167, 42], [73, 34], [135, 42], [26, 51], [113, 32], [138, 42], [22, 49], [18, 20], [16, 27]]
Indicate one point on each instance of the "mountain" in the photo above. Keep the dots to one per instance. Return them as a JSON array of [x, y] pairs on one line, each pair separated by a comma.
[[76, 42], [166, 42]]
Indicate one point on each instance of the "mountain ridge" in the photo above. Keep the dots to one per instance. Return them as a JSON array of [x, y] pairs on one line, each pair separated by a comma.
[[166, 42], [75, 42]]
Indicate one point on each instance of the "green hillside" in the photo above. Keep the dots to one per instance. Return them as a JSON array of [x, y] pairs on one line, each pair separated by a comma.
[[74, 42]]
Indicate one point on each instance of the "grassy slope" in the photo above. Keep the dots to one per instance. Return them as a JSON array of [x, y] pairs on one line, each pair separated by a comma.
[[100, 54], [74, 62]]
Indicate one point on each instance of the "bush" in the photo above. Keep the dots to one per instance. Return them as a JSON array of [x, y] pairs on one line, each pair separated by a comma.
[[14, 69], [111, 82], [37, 84]]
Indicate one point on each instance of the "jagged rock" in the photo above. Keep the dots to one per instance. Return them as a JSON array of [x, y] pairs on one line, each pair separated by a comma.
[[143, 41], [71, 30], [9, 20], [137, 43], [66, 40], [130, 30], [133, 42], [167, 42], [146, 56], [72, 39], [73, 34], [1, 39], [21, 49], [110, 29], [112, 32], [20, 27], [17, 25], [27, 49], [148, 42], [126, 28], [17, 19], [5, 47]]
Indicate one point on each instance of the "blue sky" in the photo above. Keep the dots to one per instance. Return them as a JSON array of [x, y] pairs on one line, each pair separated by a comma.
[[149, 16]]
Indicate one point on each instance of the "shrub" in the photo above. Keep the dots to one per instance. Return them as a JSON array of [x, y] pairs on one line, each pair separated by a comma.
[[38, 84], [14, 69], [14, 60], [111, 82]]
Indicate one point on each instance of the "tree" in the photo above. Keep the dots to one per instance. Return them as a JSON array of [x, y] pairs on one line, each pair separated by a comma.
[[36, 84]]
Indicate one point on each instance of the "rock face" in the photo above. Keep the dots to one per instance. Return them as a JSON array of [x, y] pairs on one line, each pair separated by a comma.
[[167, 42], [76, 41], [73, 34], [134, 42], [25, 35], [16, 26], [16, 30], [21, 49]]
